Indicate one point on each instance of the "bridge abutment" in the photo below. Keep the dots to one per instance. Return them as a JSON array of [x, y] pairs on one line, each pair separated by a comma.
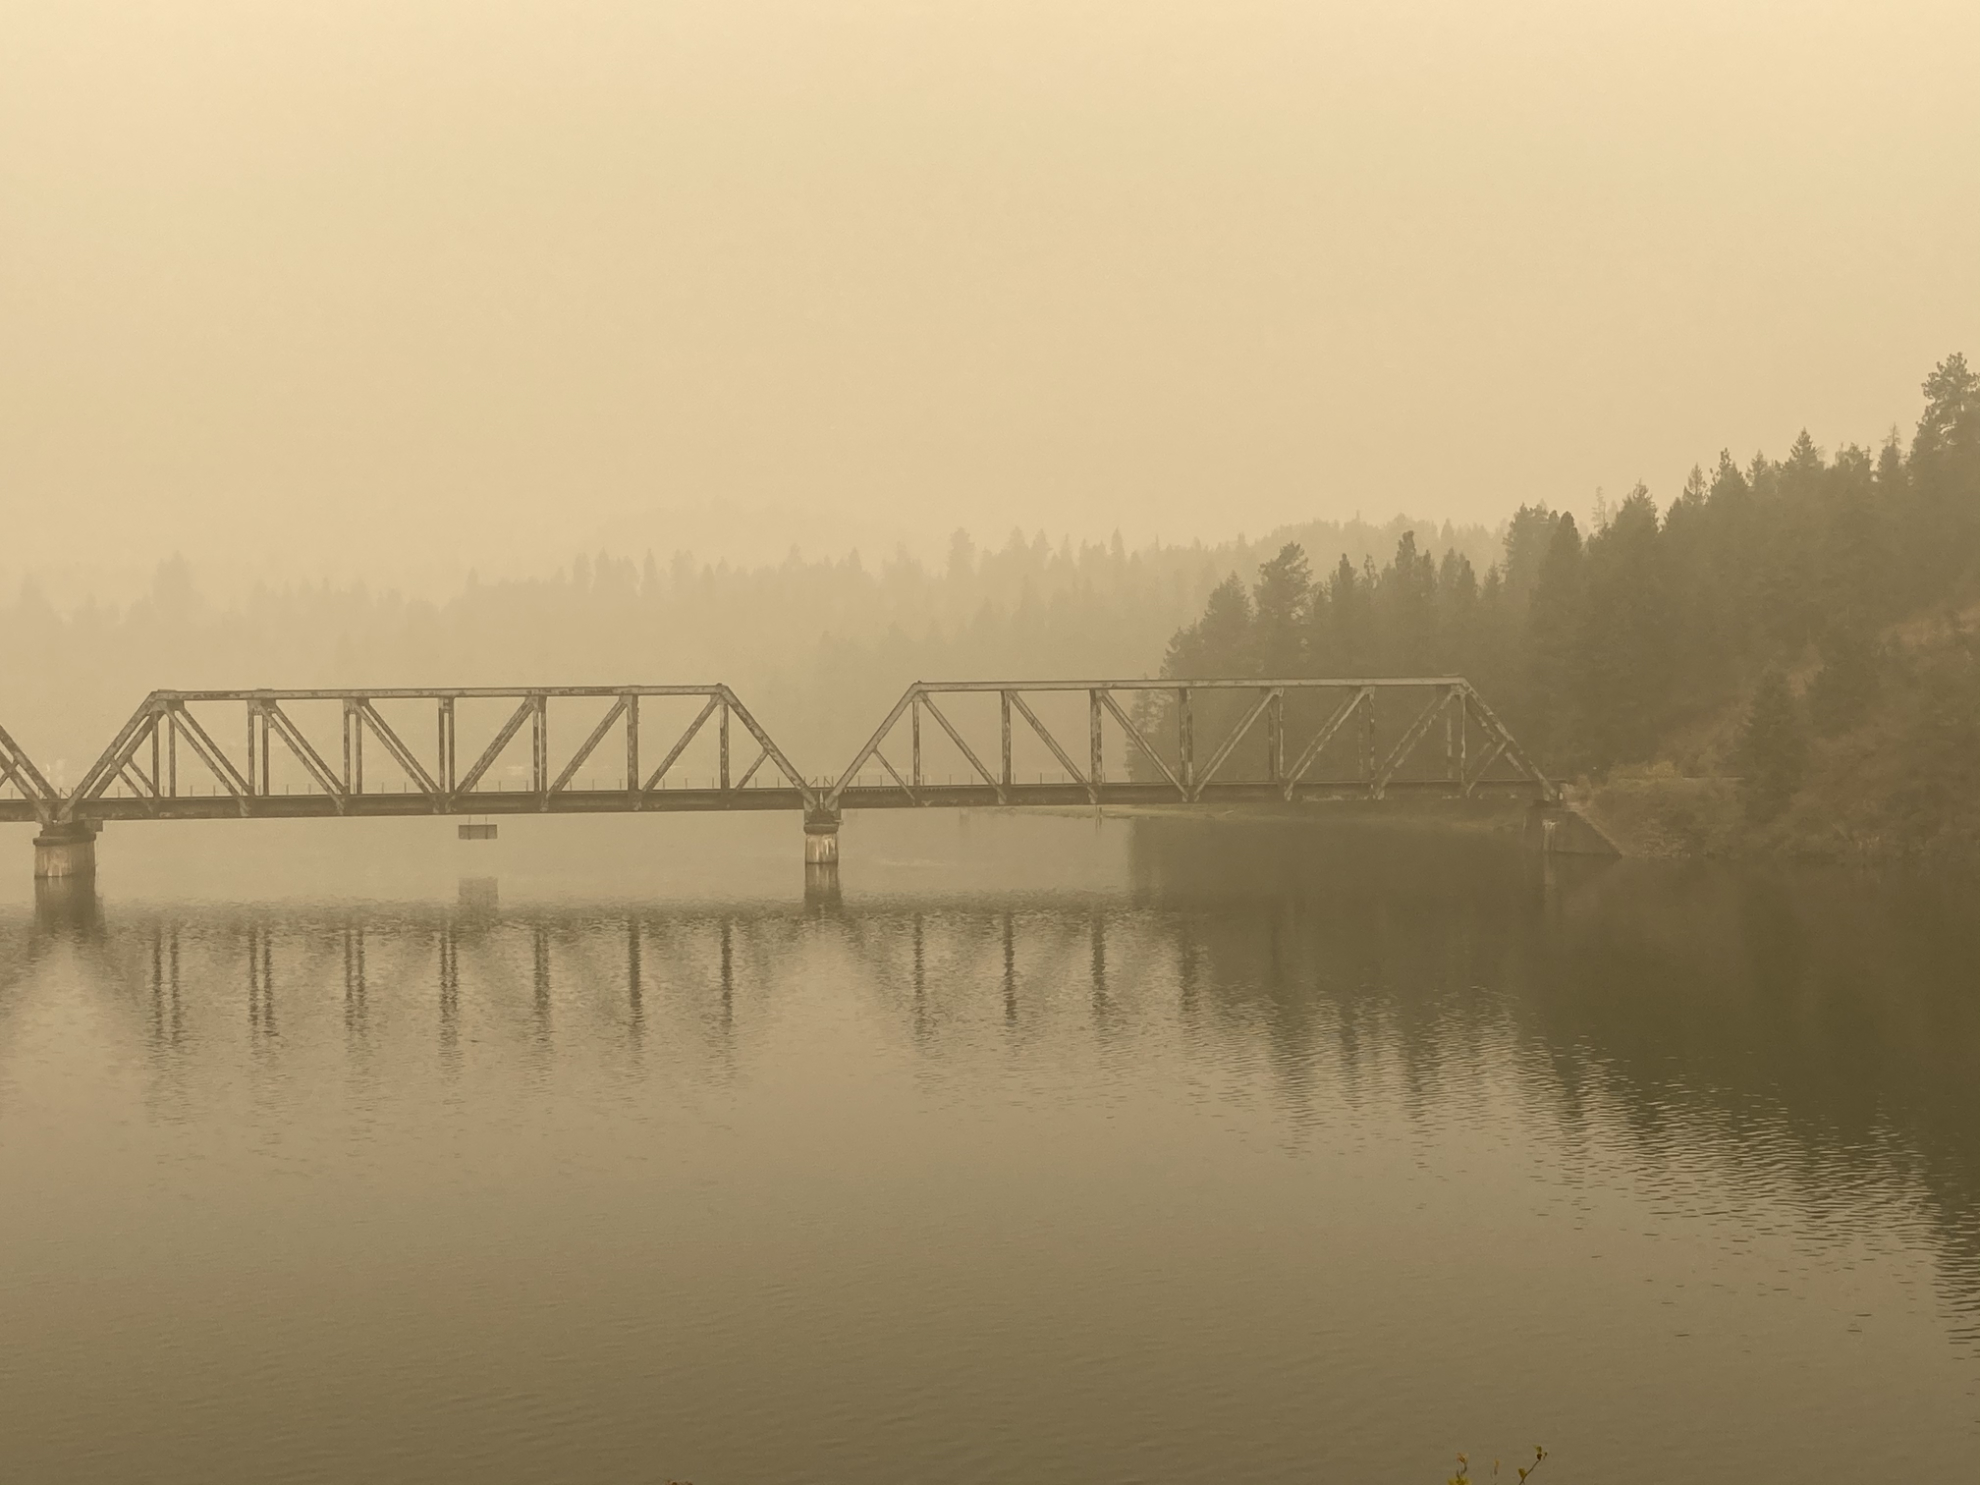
[[1556, 829], [66, 851]]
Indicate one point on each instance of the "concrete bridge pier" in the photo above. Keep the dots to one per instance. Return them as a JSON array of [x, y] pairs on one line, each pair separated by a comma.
[[66, 904], [821, 837], [821, 886], [66, 851], [821, 858]]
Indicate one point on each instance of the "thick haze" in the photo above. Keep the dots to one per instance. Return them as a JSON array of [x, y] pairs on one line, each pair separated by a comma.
[[397, 288]]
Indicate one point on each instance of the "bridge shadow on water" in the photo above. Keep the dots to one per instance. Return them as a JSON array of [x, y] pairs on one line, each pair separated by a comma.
[[1808, 1031]]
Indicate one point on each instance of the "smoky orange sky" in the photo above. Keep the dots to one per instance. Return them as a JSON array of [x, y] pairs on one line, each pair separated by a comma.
[[400, 288]]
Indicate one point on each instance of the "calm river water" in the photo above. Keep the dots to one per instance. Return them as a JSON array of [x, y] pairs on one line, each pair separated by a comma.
[[1057, 1150]]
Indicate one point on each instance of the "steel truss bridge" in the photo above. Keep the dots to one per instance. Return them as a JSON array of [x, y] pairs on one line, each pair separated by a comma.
[[365, 752]]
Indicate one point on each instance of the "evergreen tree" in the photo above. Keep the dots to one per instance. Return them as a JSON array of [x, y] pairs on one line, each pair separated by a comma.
[[1341, 624], [1844, 689], [1553, 627], [1773, 749], [1406, 599], [1623, 652], [1528, 535], [1945, 468], [1219, 643], [1458, 632], [1279, 603], [1949, 429]]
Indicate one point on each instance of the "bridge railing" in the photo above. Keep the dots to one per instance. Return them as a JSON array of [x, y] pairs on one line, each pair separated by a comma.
[[169, 748], [1267, 738]]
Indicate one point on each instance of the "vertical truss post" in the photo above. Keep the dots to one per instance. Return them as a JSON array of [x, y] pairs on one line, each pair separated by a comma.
[[1186, 738], [1450, 736], [445, 762], [1004, 697], [1463, 732], [914, 735], [266, 786], [632, 746], [157, 773], [253, 711], [1368, 736], [539, 747], [353, 746], [172, 749], [722, 745], [1275, 736], [1096, 752]]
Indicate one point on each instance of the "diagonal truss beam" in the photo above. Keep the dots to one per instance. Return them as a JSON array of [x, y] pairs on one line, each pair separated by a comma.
[[680, 746], [872, 746], [1406, 744], [1003, 795], [1328, 731], [1229, 744], [1484, 766], [604, 726], [395, 745], [762, 757], [1496, 731], [1135, 736], [312, 761], [895, 774], [209, 752], [111, 762], [776, 754], [1017, 700], [494, 749], [17, 768]]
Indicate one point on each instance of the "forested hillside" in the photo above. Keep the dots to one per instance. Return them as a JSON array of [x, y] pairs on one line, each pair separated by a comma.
[[1803, 623]]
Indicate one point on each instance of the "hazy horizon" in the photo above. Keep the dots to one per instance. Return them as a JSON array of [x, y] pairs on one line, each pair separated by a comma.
[[397, 292]]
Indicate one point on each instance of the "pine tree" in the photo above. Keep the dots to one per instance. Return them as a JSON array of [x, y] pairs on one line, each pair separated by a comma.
[[1219, 643], [1340, 641], [1457, 615], [1949, 429], [1528, 535], [1553, 626], [1406, 599], [1844, 689], [1773, 750], [1626, 644], [1279, 602]]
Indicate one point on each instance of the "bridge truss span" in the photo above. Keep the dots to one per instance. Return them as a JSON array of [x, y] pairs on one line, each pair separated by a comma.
[[492, 751], [1268, 741], [314, 753]]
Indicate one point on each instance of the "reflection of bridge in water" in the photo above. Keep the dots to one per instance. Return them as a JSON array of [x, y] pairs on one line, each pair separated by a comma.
[[593, 976], [951, 745]]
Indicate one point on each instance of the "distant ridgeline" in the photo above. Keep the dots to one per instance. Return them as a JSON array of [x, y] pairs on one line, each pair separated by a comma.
[[1805, 626]]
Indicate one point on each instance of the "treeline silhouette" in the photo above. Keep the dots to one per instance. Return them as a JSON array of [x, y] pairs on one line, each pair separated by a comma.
[[818, 648], [1772, 605]]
